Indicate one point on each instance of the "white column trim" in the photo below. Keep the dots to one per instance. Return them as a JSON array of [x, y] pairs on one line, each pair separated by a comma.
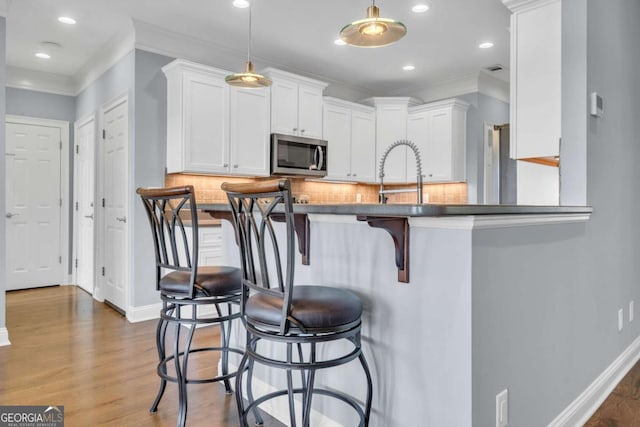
[[4, 337]]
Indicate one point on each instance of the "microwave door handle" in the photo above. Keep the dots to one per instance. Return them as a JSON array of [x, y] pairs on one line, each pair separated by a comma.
[[321, 162], [314, 165]]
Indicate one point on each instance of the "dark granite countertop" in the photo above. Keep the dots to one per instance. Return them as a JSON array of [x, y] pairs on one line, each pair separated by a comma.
[[424, 210]]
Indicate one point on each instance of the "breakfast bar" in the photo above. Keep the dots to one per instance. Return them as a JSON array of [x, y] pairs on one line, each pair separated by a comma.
[[420, 271]]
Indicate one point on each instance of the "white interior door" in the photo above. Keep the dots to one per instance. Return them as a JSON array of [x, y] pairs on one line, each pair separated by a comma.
[[33, 205], [115, 169], [84, 185]]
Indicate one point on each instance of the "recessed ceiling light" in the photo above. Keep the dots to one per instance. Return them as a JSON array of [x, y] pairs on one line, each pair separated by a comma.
[[409, 68], [66, 20], [242, 4], [485, 45], [420, 8], [339, 42], [43, 55]]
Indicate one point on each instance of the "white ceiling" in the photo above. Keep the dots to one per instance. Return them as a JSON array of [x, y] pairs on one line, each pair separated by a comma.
[[296, 35]]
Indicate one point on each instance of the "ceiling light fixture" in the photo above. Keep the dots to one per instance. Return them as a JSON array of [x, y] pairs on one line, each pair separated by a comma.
[[373, 31], [409, 68], [339, 42], [249, 78], [420, 8], [241, 4], [485, 45], [66, 20], [43, 55]]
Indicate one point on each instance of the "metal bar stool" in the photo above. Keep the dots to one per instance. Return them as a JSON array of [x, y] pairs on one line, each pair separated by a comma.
[[184, 288], [275, 310]]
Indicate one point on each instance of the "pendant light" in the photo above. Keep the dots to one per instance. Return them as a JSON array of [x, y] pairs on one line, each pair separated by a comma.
[[249, 78], [373, 31]]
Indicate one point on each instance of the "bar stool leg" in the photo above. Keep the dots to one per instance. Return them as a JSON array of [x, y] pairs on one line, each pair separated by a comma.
[[292, 409], [256, 413], [225, 336], [161, 333], [308, 392]]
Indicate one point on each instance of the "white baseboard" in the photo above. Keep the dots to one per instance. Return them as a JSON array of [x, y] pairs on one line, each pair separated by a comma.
[[585, 405], [279, 408], [4, 337], [144, 312]]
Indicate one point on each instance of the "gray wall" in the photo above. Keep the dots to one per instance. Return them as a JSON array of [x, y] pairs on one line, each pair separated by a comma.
[[3, 33], [44, 105], [149, 164], [483, 109], [545, 298]]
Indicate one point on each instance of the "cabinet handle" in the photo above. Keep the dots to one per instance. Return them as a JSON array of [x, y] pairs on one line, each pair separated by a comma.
[[348, 174], [123, 219], [235, 166], [226, 165], [301, 130], [295, 129], [354, 175], [430, 175]]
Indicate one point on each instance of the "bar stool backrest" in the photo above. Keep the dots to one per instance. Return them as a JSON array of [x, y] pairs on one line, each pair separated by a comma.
[[254, 207], [173, 248]]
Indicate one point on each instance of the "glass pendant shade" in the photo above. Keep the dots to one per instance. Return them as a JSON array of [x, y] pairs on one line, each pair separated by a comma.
[[373, 31], [248, 79]]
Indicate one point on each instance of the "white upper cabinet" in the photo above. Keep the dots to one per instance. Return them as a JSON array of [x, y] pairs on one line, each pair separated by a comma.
[[535, 77], [212, 127], [439, 131], [197, 118], [391, 126], [296, 104], [250, 130], [349, 129]]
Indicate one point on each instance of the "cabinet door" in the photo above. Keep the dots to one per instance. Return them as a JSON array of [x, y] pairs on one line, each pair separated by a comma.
[[391, 126], [309, 111], [438, 153], [536, 81], [250, 131], [363, 147], [337, 132], [418, 133], [284, 107], [205, 123]]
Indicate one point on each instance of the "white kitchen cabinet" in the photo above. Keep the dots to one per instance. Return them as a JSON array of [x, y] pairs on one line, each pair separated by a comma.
[[197, 118], [214, 128], [249, 131], [439, 131], [296, 104], [535, 106], [349, 129]]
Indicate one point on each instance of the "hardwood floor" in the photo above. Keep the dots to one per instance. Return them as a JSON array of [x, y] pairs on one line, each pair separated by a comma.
[[69, 350], [622, 406]]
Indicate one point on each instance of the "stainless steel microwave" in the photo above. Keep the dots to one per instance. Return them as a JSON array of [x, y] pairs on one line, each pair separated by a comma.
[[297, 155]]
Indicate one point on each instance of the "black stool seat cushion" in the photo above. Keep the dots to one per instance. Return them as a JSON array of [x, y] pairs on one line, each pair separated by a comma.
[[321, 307], [210, 282]]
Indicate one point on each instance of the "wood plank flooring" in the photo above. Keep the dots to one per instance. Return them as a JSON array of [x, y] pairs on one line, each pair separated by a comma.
[[622, 406], [69, 350]]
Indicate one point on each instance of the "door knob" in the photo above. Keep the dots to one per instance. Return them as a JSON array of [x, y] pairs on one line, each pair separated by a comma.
[[123, 219], [10, 215]]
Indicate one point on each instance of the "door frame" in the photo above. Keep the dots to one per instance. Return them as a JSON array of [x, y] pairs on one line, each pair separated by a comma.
[[64, 184], [78, 124], [494, 155], [99, 213]]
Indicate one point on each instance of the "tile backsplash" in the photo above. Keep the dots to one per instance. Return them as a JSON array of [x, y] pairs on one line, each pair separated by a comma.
[[208, 190]]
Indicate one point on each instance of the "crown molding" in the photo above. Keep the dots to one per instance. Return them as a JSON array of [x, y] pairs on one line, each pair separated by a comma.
[[493, 86], [22, 78], [524, 5], [116, 49]]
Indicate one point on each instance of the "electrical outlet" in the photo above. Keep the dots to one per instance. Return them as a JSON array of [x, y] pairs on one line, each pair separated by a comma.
[[425, 198], [502, 408], [620, 319], [358, 198], [631, 311]]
